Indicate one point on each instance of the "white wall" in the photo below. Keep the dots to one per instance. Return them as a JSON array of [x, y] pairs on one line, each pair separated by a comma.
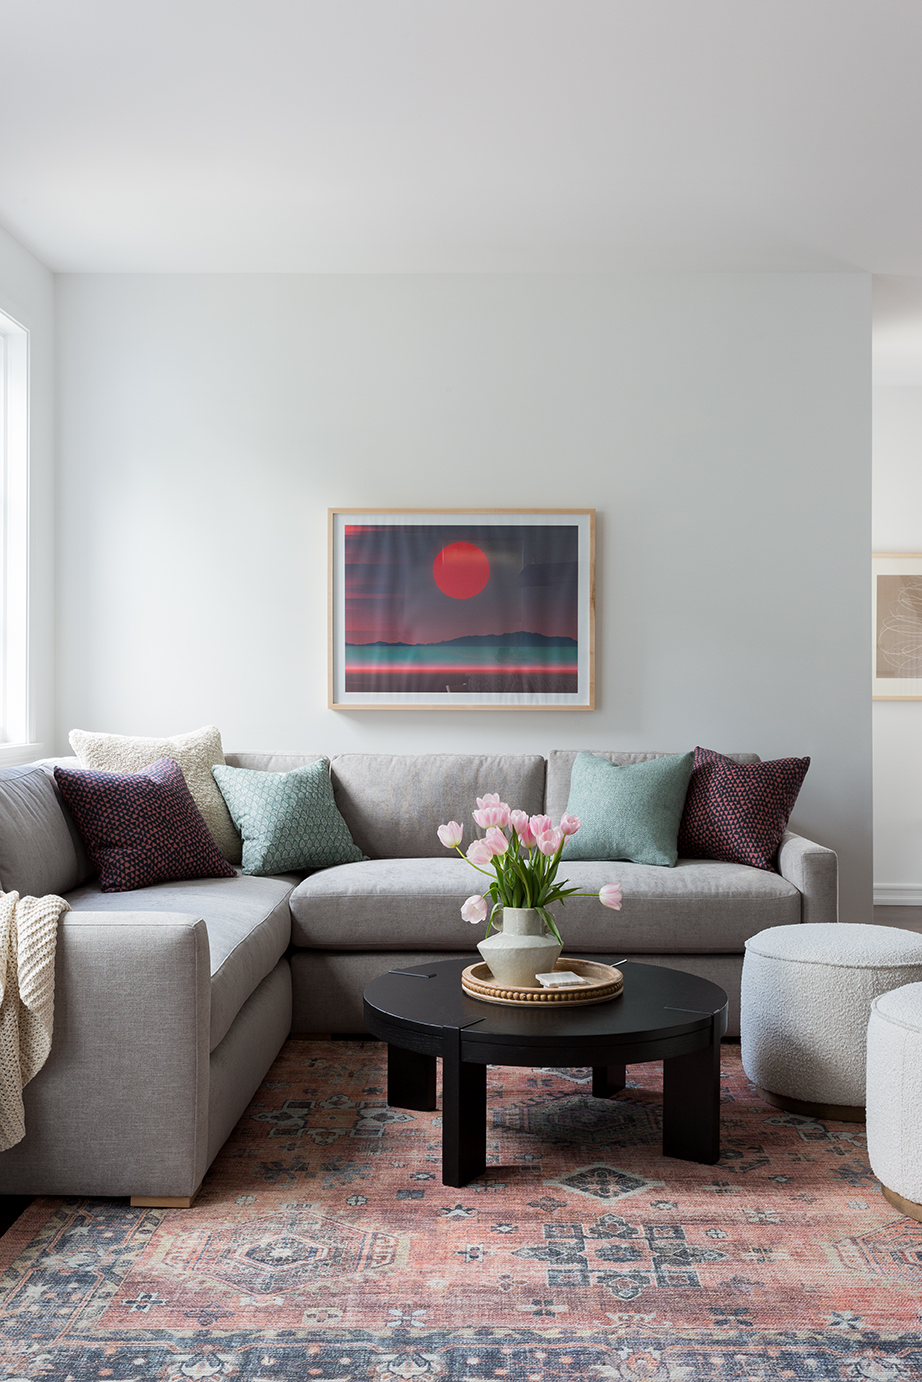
[[719, 425], [27, 295], [897, 527]]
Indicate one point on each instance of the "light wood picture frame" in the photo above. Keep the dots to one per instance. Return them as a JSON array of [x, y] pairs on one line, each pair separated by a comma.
[[461, 609], [896, 602]]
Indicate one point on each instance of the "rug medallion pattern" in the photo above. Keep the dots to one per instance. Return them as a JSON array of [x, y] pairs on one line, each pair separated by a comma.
[[324, 1247]]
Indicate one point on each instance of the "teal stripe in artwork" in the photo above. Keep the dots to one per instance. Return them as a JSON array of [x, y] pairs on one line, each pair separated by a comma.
[[423, 657]]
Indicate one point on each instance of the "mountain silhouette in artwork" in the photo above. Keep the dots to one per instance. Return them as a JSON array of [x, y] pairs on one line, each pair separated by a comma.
[[516, 663], [519, 639]]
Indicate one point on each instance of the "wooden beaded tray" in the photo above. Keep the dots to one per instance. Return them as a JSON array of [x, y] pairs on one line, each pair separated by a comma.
[[604, 984]]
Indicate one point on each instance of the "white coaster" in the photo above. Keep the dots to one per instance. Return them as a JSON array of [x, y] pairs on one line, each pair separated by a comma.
[[561, 979]]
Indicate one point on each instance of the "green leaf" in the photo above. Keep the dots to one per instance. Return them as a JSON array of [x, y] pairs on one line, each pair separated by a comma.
[[549, 923]]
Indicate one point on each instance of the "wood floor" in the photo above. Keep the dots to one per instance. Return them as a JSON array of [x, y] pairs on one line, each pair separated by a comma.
[[909, 918]]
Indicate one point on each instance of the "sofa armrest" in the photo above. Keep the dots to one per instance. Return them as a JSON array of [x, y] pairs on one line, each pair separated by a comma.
[[814, 871], [121, 1105]]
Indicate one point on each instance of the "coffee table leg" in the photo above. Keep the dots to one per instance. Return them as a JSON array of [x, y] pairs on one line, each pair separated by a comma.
[[464, 1113], [410, 1079], [607, 1080], [691, 1104]]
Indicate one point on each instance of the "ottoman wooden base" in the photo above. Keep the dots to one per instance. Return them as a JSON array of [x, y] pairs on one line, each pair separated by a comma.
[[835, 1113], [907, 1207]]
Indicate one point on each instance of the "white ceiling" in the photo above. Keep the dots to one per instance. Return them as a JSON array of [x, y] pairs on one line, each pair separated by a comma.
[[463, 135], [455, 136]]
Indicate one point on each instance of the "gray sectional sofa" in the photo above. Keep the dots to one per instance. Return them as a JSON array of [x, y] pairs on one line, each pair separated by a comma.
[[173, 1000]]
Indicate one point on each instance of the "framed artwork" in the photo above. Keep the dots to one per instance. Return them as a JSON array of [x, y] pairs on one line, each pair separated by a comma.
[[459, 608], [897, 636]]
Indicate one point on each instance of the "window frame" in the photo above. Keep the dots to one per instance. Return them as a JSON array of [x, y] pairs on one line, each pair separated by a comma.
[[16, 712]]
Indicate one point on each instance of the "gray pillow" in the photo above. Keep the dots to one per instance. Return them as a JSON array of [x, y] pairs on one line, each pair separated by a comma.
[[38, 852], [628, 811]]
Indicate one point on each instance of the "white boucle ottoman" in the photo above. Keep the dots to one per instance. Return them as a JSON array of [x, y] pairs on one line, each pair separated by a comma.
[[894, 1099], [806, 998]]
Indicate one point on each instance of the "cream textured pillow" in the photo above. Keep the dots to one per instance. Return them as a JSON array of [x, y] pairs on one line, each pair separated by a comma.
[[196, 753]]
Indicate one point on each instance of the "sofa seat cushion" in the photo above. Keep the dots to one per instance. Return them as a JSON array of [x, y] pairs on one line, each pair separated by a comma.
[[402, 904], [248, 925], [387, 904], [699, 907]]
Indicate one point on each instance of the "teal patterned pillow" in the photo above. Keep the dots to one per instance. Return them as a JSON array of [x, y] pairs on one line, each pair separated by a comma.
[[287, 820], [628, 811]]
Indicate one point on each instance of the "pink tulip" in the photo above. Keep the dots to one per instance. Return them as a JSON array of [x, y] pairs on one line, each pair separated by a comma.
[[475, 909], [491, 799], [610, 896], [550, 841], [569, 824], [522, 827], [495, 840], [479, 853], [539, 824], [492, 815], [450, 834]]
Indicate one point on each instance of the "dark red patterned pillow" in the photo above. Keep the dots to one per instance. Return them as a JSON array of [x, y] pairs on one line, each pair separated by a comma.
[[141, 828], [738, 812]]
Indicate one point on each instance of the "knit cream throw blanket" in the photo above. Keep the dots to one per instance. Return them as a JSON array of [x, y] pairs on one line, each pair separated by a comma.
[[28, 932]]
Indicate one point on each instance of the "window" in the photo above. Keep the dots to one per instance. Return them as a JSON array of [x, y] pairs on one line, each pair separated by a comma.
[[14, 534]]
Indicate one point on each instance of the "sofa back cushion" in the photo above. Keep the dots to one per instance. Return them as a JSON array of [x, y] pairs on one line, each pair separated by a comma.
[[394, 804], [39, 848], [560, 766], [271, 762]]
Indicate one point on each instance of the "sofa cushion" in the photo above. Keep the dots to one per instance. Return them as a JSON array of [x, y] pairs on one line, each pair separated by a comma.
[[271, 762], [739, 812], [141, 828], [387, 904], [248, 923], [628, 810], [195, 752], [406, 904], [38, 853], [394, 804], [288, 820], [699, 907]]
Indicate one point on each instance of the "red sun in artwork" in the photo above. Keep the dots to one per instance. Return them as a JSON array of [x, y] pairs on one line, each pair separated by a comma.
[[461, 570]]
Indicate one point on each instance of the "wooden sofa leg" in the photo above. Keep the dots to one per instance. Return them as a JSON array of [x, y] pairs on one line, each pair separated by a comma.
[[164, 1201]]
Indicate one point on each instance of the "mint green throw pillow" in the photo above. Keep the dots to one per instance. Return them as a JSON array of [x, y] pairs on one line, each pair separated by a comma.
[[628, 811], [287, 820]]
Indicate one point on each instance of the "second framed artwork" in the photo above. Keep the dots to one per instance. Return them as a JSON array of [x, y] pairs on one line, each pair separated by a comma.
[[897, 630], [444, 608]]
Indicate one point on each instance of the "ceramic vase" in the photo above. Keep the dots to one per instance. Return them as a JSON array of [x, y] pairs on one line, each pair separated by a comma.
[[522, 948]]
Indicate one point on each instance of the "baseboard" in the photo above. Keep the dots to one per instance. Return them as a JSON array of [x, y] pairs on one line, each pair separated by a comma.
[[898, 894]]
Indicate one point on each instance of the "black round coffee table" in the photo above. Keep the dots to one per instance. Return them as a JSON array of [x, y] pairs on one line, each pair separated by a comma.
[[424, 1015]]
